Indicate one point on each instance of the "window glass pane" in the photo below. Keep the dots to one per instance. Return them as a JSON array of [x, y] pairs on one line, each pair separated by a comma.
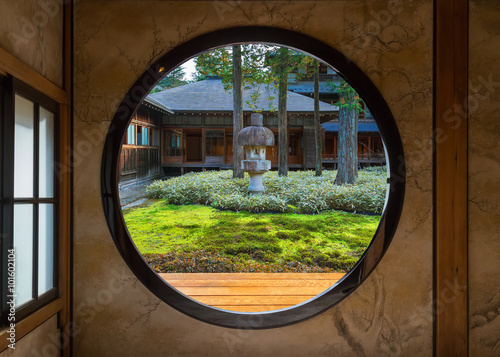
[[23, 147], [156, 140], [46, 153], [145, 136], [131, 135], [45, 248], [23, 246]]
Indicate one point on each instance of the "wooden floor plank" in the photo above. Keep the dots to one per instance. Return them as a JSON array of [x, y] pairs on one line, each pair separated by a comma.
[[238, 300], [231, 276], [252, 308], [251, 292], [253, 282]]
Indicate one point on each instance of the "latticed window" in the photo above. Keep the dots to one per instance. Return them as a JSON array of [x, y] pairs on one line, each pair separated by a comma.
[[214, 142], [172, 143], [28, 198]]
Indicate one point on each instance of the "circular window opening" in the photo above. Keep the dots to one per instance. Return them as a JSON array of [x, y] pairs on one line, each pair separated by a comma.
[[279, 243], [184, 129]]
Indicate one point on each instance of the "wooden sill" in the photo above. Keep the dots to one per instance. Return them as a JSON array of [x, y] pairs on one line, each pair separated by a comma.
[[31, 322], [25, 73]]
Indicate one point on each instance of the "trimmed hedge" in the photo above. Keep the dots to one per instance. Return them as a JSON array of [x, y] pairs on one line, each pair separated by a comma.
[[212, 262], [299, 192]]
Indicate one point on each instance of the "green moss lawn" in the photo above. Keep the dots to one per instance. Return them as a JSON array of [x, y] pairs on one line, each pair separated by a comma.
[[197, 238]]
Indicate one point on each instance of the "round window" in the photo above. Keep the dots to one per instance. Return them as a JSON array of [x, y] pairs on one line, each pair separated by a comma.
[[186, 149]]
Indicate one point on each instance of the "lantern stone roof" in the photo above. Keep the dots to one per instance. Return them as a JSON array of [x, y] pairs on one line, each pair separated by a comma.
[[256, 134], [210, 96]]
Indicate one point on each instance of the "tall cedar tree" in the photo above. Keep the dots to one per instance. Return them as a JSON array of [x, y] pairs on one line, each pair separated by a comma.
[[282, 63], [237, 111], [283, 59], [262, 65], [349, 109], [317, 123]]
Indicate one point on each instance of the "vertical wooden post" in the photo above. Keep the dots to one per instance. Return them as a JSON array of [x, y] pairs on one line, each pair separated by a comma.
[[450, 175], [65, 193], [203, 148], [370, 151]]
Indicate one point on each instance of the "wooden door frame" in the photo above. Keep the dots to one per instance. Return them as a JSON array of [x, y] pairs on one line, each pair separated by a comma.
[[450, 178]]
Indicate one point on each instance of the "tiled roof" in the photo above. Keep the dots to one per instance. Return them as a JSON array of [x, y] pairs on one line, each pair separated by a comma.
[[209, 96], [308, 87], [154, 102], [333, 126]]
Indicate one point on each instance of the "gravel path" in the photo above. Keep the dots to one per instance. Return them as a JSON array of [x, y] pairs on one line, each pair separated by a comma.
[[132, 194]]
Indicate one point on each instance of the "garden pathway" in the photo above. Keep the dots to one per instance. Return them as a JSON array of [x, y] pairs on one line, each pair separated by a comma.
[[251, 292]]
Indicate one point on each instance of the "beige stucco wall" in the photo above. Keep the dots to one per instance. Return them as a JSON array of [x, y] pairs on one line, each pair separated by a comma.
[[31, 30], [42, 341], [390, 314], [484, 174]]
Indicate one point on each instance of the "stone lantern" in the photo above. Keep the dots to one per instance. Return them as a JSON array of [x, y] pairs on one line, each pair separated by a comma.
[[255, 138]]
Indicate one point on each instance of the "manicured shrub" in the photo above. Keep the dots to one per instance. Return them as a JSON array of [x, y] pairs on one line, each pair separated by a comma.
[[299, 192], [212, 262]]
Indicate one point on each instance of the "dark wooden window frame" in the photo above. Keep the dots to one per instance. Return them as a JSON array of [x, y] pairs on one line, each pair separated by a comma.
[[333, 295], [10, 88]]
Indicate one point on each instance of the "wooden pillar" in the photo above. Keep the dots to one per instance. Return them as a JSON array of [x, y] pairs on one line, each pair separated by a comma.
[[370, 147], [450, 175], [203, 145]]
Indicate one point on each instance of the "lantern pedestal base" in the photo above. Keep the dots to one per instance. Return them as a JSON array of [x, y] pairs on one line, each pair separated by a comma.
[[256, 187], [256, 170]]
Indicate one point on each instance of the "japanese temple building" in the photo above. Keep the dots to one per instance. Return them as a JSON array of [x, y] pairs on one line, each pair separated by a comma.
[[190, 128]]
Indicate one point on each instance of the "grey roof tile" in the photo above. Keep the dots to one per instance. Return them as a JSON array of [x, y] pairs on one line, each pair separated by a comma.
[[333, 126], [209, 96]]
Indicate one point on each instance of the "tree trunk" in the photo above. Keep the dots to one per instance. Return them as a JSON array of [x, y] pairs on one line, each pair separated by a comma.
[[282, 114], [237, 111], [348, 143], [317, 123]]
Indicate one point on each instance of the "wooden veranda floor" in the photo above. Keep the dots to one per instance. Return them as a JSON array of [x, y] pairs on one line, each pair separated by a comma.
[[251, 292]]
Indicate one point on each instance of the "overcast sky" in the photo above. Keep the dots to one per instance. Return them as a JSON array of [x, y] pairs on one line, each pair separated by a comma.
[[189, 69]]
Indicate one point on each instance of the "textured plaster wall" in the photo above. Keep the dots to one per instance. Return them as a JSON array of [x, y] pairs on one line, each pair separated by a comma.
[[40, 47], [42, 341], [390, 314], [484, 173], [31, 30]]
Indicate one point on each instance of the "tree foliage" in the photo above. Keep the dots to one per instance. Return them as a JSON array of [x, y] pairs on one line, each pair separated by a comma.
[[345, 91], [174, 79], [219, 62]]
